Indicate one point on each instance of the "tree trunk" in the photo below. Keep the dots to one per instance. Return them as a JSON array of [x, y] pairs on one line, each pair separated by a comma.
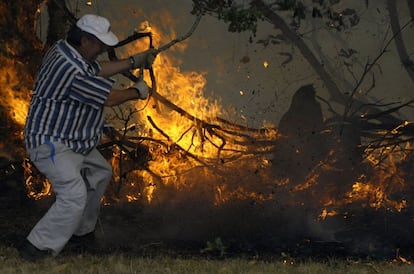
[[279, 23], [399, 42], [59, 21]]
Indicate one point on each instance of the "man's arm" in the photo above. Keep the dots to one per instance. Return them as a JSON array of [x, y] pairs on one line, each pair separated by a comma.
[[139, 90], [110, 68], [117, 96], [139, 60]]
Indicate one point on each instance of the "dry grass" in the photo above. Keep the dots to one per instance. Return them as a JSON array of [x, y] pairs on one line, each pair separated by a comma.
[[123, 263]]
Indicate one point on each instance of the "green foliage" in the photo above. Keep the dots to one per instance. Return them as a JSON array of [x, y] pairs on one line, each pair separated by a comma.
[[241, 19], [238, 17], [286, 4], [246, 17], [215, 247], [209, 6]]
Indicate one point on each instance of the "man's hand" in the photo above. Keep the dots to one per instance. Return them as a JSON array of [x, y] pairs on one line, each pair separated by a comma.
[[142, 89], [144, 59]]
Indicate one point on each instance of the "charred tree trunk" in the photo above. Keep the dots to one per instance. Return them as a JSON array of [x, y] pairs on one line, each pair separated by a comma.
[[59, 20], [18, 39]]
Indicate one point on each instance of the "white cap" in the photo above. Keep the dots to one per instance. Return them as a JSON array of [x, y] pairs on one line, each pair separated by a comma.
[[98, 26]]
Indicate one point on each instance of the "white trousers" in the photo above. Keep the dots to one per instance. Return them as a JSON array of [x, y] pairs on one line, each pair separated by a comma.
[[79, 182]]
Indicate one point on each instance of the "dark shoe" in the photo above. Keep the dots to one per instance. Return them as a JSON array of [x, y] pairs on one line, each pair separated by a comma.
[[31, 253], [83, 239], [84, 243]]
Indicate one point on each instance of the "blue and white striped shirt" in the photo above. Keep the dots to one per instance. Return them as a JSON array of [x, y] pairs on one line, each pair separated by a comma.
[[67, 101]]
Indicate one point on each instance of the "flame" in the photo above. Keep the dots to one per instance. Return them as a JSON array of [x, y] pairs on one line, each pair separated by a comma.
[[189, 143], [144, 27], [189, 149], [35, 190], [15, 93], [325, 213]]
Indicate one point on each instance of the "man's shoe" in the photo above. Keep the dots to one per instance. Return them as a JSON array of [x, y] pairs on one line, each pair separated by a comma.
[[86, 239], [84, 243], [31, 253]]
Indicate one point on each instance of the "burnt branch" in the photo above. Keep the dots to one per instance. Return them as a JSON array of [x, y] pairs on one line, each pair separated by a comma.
[[389, 111], [175, 145], [233, 130], [157, 128], [182, 38]]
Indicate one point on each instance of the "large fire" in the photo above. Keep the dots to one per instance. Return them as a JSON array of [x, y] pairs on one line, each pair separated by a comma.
[[180, 141], [184, 170]]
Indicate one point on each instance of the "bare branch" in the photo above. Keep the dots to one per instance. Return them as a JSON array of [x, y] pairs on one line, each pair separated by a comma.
[[182, 38], [368, 67]]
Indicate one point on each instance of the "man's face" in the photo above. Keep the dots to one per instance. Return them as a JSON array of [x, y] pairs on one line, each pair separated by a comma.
[[91, 47]]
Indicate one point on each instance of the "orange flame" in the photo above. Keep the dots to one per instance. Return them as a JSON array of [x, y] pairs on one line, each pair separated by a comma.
[[186, 150], [14, 92]]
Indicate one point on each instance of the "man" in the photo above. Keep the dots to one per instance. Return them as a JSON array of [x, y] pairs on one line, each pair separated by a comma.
[[65, 124]]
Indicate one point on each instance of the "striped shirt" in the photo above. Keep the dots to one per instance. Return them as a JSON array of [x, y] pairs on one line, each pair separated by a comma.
[[67, 101]]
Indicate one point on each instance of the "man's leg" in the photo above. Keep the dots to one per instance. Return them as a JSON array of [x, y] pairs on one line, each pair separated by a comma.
[[97, 173], [62, 167]]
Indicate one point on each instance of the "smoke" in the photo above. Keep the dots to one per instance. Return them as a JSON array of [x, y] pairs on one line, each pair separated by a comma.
[[191, 217], [243, 211]]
